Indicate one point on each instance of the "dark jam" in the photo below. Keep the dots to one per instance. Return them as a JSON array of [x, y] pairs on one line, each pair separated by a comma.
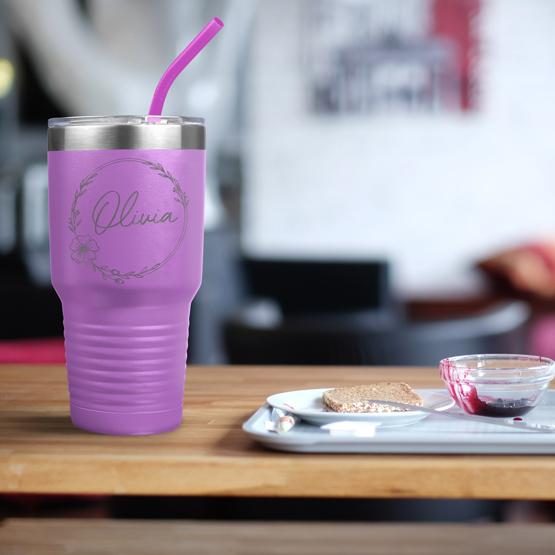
[[503, 409]]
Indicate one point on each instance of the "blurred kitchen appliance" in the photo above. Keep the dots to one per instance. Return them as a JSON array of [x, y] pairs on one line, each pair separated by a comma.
[[8, 103], [7, 134], [34, 223]]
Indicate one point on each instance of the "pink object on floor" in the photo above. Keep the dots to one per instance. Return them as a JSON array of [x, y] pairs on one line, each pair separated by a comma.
[[33, 351]]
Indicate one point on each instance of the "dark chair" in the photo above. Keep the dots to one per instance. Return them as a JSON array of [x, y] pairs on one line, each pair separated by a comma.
[[320, 286], [261, 335]]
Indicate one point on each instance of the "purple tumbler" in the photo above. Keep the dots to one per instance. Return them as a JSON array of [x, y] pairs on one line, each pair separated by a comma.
[[126, 202]]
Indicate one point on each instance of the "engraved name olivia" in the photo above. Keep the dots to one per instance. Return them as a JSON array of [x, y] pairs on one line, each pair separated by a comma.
[[109, 212]]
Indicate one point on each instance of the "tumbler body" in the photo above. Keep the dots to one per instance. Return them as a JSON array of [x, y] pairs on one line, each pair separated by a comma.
[[126, 204]]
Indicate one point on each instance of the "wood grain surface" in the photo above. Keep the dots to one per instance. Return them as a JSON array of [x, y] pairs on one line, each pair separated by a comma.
[[107, 537], [41, 452]]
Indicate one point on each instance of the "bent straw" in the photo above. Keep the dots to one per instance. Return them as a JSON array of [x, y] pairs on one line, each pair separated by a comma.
[[180, 63]]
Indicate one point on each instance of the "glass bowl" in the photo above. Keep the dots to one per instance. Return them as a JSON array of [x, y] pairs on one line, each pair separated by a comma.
[[497, 385]]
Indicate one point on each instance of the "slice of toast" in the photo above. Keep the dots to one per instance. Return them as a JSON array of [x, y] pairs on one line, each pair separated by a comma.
[[359, 397]]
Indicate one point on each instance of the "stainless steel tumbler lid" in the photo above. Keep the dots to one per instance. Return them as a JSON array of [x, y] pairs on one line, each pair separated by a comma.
[[126, 132]]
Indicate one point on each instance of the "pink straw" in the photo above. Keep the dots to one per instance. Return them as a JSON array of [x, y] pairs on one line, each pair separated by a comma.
[[180, 63]]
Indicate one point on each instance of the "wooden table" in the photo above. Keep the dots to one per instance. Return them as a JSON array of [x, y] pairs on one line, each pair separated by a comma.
[[41, 452], [105, 537]]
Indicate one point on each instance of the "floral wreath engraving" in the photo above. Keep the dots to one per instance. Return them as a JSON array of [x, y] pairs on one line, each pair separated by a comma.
[[84, 249]]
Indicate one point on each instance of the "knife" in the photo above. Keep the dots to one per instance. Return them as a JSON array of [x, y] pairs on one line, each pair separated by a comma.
[[514, 424]]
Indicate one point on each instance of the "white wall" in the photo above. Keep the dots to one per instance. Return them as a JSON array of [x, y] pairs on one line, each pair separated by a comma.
[[432, 194]]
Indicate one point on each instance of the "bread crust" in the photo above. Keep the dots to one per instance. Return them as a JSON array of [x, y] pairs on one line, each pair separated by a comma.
[[359, 397]]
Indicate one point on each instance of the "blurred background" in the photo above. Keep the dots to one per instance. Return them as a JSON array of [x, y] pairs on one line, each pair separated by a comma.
[[380, 171], [380, 179]]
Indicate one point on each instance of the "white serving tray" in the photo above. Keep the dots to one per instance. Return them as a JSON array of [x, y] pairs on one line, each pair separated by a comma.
[[435, 434]]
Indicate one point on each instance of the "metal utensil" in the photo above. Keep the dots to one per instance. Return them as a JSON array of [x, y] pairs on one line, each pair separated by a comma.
[[514, 424]]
